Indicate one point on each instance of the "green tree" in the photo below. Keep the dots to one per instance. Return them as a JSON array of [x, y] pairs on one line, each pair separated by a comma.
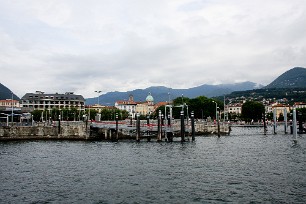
[[202, 107], [55, 113], [252, 110], [301, 114], [234, 116], [91, 113], [37, 115], [162, 109], [110, 114], [270, 116]]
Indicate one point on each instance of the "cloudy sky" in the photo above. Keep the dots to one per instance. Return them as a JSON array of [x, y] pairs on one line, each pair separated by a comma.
[[121, 45]]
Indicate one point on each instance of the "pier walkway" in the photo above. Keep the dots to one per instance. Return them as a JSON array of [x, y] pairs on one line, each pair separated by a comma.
[[154, 129]]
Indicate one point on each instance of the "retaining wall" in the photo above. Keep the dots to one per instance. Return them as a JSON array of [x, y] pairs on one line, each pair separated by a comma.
[[43, 132], [77, 131]]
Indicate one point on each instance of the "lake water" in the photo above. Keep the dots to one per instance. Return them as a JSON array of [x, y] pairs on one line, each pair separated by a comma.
[[243, 167]]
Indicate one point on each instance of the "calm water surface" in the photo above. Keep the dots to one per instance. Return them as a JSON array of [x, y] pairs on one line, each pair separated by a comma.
[[244, 167]]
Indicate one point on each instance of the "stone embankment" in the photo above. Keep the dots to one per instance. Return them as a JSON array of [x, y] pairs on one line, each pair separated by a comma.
[[84, 131], [45, 132]]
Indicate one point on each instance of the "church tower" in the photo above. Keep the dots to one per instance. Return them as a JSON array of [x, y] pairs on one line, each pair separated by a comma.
[[150, 100]]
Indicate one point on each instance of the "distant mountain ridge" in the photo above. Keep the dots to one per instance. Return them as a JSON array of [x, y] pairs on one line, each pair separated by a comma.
[[293, 78], [162, 93], [6, 93]]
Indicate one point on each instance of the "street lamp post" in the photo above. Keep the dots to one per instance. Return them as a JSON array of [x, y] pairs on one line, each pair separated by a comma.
[[216, 109], [182, 102], [12, 109], [98, 96], [224, 110]]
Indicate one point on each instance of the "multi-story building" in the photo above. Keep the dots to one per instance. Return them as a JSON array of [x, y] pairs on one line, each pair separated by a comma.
[[41, 101], [143, 108], [97, 107], [147, 107], [268, 109], [234, 108], [299, 105], [129, 106], [9, 103]]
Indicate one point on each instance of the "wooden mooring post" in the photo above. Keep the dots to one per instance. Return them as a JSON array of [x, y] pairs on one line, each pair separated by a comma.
[[294, 126], [138, 128], [159, 134], [117, 127], [182, 127], [148, 131], [192, 126], [169, 132], [275, 122]]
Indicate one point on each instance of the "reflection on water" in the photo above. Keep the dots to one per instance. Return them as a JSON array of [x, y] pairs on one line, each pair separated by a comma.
[[244, 167]]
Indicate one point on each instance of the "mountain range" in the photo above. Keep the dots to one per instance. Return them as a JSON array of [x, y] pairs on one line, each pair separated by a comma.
[[6, 93], [162, 93], [293, 78]]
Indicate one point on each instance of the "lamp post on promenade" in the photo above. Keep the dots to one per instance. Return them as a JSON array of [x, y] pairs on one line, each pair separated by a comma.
[[216, 109], [12, 109], [224, 110], [217, 119], [182, 102], [98, 96]]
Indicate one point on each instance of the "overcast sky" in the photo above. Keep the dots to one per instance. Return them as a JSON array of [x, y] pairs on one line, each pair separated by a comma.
[[121, 45]]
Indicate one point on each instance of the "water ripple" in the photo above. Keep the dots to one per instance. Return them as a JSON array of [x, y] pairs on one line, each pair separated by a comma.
[[245, 168]]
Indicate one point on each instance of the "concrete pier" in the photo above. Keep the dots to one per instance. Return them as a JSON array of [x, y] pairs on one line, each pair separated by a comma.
[[69, 132], [108, 130]]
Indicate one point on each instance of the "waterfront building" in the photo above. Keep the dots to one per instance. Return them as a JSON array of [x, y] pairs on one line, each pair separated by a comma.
[[234, 108], [129, 106], [8, 106], [9, 103], [97, 107], [268, 108], [143, 108], [299, 105], [147, 107], [41, 101], [280, 109]]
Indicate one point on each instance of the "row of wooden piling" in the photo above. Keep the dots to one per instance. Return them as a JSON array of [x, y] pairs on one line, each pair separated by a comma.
[[293, 128], [169, 134]]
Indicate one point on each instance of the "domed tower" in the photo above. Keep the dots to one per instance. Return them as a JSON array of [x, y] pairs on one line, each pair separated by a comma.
[[150, 99]]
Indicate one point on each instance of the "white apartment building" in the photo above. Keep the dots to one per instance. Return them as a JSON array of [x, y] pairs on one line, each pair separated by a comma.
[[234, 108], [41, 101]]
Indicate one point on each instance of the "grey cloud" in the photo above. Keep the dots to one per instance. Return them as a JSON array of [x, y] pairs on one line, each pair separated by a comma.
[[123, 45]]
